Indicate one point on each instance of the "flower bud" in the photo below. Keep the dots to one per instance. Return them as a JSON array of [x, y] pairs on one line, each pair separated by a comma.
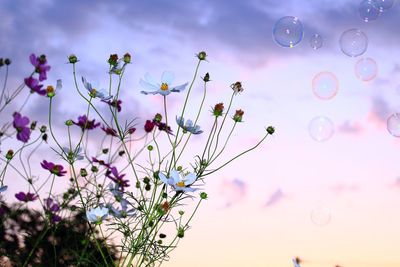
[[44, 137], [7, 61], [33, 125], [83, 172], [149, 147], [146, 180], [147, 187], [104, 150], [157, 117], [1, 62], [113, 60], [202, 55], [203, 195], [69, 122], [94, 169], [43, 129], [10, 154], [121, 153], [181, 232], [270, 129], [72, 59], [181, 212], [218, 109], [179, 168], [149, 126], [238, 115], [127, 58], [162, 235], [137, 184], [206, 77], [50, 91]]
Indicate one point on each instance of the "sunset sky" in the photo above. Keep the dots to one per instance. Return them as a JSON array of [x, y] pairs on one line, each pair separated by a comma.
[[261, 208]]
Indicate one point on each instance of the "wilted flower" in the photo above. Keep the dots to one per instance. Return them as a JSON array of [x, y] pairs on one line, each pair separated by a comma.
[[84, 123], [26, 197], [238, 115], [178, 181], [188, 126], [93, 92], [97, 215], [149, 126], [20, 124], [165, 88], [237, 87], [53, 168], [34, 85], [40, 65]]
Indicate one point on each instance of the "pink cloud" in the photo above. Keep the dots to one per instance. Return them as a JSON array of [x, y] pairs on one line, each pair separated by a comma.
[[232, 192], [350, 128], [344, 188]]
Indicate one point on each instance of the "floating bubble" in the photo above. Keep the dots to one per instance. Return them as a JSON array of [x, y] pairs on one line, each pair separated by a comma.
[[321, 216], [321, 129], [325, 85], [368, 10], [366, 69], [353, 42], [288, 31], [316, 41], [393, 124], [383, 5]]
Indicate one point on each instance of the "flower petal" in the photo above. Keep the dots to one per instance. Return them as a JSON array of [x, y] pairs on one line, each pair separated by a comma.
[[174, 177], [163, 178], [190, 178], [179, 88], [167, 77]]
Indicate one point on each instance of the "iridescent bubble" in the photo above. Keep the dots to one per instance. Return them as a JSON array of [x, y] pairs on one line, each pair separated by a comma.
[[288, 31], [325, 85], [353, 42], [366, 69], [368, 10], [321, 129], [393, 124], [321, 216], [383, 5], [316, 41]]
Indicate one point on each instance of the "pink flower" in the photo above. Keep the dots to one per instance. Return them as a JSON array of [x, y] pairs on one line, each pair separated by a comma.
[[21, 196], [20, 124], [53, 168]]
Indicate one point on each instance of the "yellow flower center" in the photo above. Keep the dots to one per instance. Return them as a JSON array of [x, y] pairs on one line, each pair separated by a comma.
[[164, 87], [180, 184], [93, 91]]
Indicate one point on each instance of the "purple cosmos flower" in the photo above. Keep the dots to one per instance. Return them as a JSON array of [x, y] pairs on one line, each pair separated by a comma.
[[114, 103], [84, 123], [21, 196], [34, 85], [53, 168], [20, 124], [110, 131], [149, 126], [117, 178], [51, 207], [101, 162], [163, 127], [40, 65]]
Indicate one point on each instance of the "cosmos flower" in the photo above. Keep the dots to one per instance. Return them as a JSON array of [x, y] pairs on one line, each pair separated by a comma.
[[53, 168], [26, 197], [165, 88], [149, 126], [50, 89], [102, 94], [117, 178], [40, 65], [188, 126], [3, 188], [109, 131], [20, 124], [51, 207], [178, 181], [34, 85], [84, 123], [73, 154], [114, 103], [97, 215]]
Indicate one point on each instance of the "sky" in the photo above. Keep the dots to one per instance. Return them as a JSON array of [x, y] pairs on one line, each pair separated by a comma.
[[327, 202]]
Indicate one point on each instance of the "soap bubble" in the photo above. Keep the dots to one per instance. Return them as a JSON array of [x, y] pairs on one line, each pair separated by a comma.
[[288, 31], [366, 69], [321, 216], [368, 10], [321, 129], [353, 42], [383, 5], [393, 124], [325, 85], [316, 41]]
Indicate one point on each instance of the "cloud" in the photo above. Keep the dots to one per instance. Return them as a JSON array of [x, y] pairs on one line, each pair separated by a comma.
[[380, 110], [344, 188], [276, 197], [232, 192]]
